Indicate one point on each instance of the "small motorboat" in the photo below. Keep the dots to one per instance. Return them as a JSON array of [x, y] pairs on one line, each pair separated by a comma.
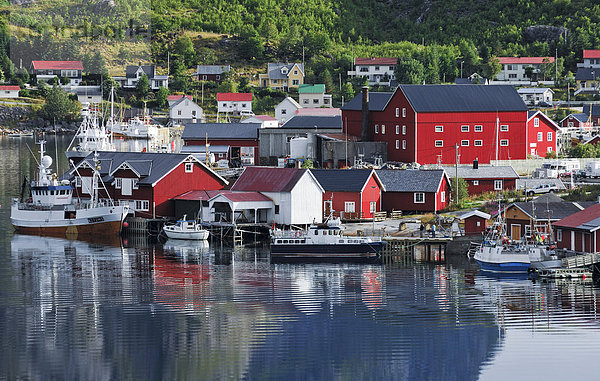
[[186, 229]]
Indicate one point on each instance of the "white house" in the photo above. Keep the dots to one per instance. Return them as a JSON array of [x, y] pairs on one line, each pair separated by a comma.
[[286, 109], [134, 73], [297, 196], [533, 96], [175, 98], [87, 94], [313, 96], [514, 68], [235, 103], [266, 121], [9, 91], [379, 70], [185, 111], [46, 71]]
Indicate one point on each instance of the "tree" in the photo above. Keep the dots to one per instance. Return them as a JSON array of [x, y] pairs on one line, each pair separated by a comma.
[[327, 80], [529, 72], [251, 45], [491, 68], [142, 87], [463, 191], [347, 91], [184, 47], [410, 71], [161, 97], [107, 85], [59, 106]]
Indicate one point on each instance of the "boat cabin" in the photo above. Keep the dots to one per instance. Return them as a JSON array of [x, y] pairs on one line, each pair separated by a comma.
[[52, 194]]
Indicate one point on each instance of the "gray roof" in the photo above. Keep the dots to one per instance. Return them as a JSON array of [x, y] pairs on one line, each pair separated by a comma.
[[533, 90], [483, 172], [212, 69], [595, 109], [151, 166], [587, 74], [148, 69], [553, 211], [579, 116], [311, 121], [274, 69], [463, 98], [221, 131], [342, 180], [410, 180], [377, 102]]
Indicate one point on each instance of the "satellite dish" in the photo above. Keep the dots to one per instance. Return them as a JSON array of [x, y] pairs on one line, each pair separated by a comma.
[[46, 161]]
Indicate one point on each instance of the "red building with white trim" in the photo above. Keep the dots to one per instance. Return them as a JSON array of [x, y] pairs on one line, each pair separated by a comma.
[[542, 134], [580, 231], [483, 179], [431, 124], [415, 190]]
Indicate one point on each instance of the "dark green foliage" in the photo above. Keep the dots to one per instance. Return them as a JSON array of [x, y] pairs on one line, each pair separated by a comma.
[[161, 97], [410, 71], [59, 106], [142, 87]]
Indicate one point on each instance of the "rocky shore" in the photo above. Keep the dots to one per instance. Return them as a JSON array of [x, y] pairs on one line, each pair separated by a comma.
[[15, 119]]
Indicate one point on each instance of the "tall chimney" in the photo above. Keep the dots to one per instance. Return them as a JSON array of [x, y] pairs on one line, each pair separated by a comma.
[[364, 126]]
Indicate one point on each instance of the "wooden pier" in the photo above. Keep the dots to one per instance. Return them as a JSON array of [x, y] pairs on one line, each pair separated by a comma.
[[407, 250]]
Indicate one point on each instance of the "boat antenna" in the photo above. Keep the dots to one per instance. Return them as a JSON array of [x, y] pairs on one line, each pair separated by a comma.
[[56, 145]]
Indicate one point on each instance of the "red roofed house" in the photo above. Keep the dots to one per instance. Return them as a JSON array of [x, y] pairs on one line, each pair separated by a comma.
[[513, 68], [379, 70], [235, 103], [9, 91], [580, 231], [542, 134], [46, 71], [174, 98], [296, 193]]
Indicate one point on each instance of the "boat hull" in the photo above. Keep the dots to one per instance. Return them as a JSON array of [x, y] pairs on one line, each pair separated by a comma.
[[504, 267], [196, 235], [362, 252]]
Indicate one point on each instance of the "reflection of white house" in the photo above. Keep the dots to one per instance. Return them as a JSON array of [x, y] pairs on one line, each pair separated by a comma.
[[313, 96], [379, 70], [9, 91], [235, 103], [185, 111], [534, 95], [286, 109], [134, 73], [46, 71]]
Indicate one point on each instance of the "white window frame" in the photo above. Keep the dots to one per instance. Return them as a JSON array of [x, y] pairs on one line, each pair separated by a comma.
[[142, 205], [383, 129], [404, 112], [504, 127], [464, 128], [558, 235], [372, 206], [404, 144], [403, 130], [397, 112], [475, 182], [377, 128], [397, 129], [419, 197], [549, 136], [134, 184], [349, 207], [439, 128], [397, 144], [478, 143], [464, 143], [540, 136], [504, 142], [439, 143], [478, 128], [189, 167], [443, 196], [548, 149], [536, 122], [498, 184], [118, 182]]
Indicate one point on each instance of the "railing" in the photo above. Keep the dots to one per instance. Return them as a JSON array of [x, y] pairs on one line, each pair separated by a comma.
[[581, 260]]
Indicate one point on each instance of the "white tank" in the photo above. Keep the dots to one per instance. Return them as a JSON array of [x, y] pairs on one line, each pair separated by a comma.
[[46, 161], [299, 147]]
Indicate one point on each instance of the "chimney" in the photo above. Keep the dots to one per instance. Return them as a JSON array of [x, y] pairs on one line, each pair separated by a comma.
[[364, 126], [475, 164]]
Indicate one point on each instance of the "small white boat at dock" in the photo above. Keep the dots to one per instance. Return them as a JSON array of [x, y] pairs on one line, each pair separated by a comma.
[[186, 229]]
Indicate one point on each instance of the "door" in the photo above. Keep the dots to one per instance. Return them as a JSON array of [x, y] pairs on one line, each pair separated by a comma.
[[515, 231], [327, 208]]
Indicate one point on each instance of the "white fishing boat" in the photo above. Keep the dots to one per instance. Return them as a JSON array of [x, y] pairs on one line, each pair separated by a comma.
[[91, 136], [186, 229], [323, 242], [52, 210]]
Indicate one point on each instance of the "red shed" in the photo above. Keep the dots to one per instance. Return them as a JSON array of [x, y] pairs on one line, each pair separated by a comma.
[[541, 134], [148, 181], [475, 222], [350, 193], [485, 178], [580, 231], [428, 124], [415, 190]]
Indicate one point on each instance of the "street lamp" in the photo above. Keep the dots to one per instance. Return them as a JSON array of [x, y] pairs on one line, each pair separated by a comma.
[[374, 204], [461, 65]]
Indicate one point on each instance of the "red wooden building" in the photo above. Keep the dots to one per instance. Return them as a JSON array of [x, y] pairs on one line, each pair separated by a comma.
[[350, 193], [227, 141], [541, 134], [482, 179], [147, 181], [415, 190], [580, 231], [475, 222], [579, 121], [428, 124]]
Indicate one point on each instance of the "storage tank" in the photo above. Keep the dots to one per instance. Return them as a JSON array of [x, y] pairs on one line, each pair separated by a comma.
[[299, 147]]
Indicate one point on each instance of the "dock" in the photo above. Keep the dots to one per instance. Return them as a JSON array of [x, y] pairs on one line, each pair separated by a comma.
[[407, 250]]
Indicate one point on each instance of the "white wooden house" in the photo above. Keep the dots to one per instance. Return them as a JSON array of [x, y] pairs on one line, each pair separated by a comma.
[[235, 103], [286, 109], [184, 111], [9, 91]]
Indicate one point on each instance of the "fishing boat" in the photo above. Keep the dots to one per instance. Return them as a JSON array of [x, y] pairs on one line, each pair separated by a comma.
[[90, 136], [186, 229], [323, 242], [52, 210]]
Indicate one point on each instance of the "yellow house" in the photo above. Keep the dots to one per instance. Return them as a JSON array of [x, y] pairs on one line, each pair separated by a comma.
[[281, 76]]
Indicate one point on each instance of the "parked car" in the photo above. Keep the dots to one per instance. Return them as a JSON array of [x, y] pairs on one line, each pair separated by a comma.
[[540, 189]]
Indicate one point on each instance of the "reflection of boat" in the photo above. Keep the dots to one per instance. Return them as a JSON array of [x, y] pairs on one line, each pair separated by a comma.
[[52, 211], [89, 137], [184, 248], [20, 134], [324, 242], [186, 229]]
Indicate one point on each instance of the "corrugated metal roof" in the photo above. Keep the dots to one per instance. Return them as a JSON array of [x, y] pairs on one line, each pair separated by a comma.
[[595, 109], [587, 219], [342, 180], [237, 196], [587, 74], [132, 69], [212, 69], [533, 90], [553, 211], [274, 69], [178, 97], [57, 65], [463, 98], [234, 97], [410, 180], [313, 121], [234, 131], [483, 172], [311, 89], [579, 116], [268, 179], [377, 102], [197, 195], [9, 87], [363, 61], [525, 60], [319, 111]]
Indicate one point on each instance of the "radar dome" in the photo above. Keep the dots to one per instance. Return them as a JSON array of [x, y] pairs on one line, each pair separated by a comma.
[[46, 161]]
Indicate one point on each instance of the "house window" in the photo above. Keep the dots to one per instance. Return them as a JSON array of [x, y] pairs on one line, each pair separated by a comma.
[[549, 136], [189, 167], [397, 144], [504, 142], [443, 196], [135, 184], [504, 127], [403, 130], [475, 182], [403, 112], [276, 209], [404, 144], [559, 235], [204, 77], [193, 112], [419, 198], [383, 129], [305, 101], [243, 105], [283, 111], [376, 68], [118, 183], [478, 128], [397, 112], [224, 104], [295, 72], [464, 143], [439, 143], [439, 128], [478, 143], [143, 205], [497, 184], [373, 206], [178, 112], [295, 82], [78, 182], [397, 129], [377, 128], [218, 77], [536, 122], [512, 76], [315, 101], [540, 136], [349, 207], [464, 128]]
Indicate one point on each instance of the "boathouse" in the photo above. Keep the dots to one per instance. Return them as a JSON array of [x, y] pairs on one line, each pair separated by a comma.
[[475, 222], [580, 231], [415, 190], [485, 178], [351, 194]]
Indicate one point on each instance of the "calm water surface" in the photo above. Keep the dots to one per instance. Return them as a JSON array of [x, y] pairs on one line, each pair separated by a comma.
[[75, 310]]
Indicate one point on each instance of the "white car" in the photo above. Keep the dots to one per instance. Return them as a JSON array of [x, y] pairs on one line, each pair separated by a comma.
[[542, 188]]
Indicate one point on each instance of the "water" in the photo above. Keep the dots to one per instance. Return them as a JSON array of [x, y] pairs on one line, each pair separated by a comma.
[[73, 310]]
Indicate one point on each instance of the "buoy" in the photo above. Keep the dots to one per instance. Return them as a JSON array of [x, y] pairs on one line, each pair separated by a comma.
[[125, 224]]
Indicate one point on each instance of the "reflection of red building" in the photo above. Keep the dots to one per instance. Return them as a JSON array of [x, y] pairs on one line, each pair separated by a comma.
[[180, 284]]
